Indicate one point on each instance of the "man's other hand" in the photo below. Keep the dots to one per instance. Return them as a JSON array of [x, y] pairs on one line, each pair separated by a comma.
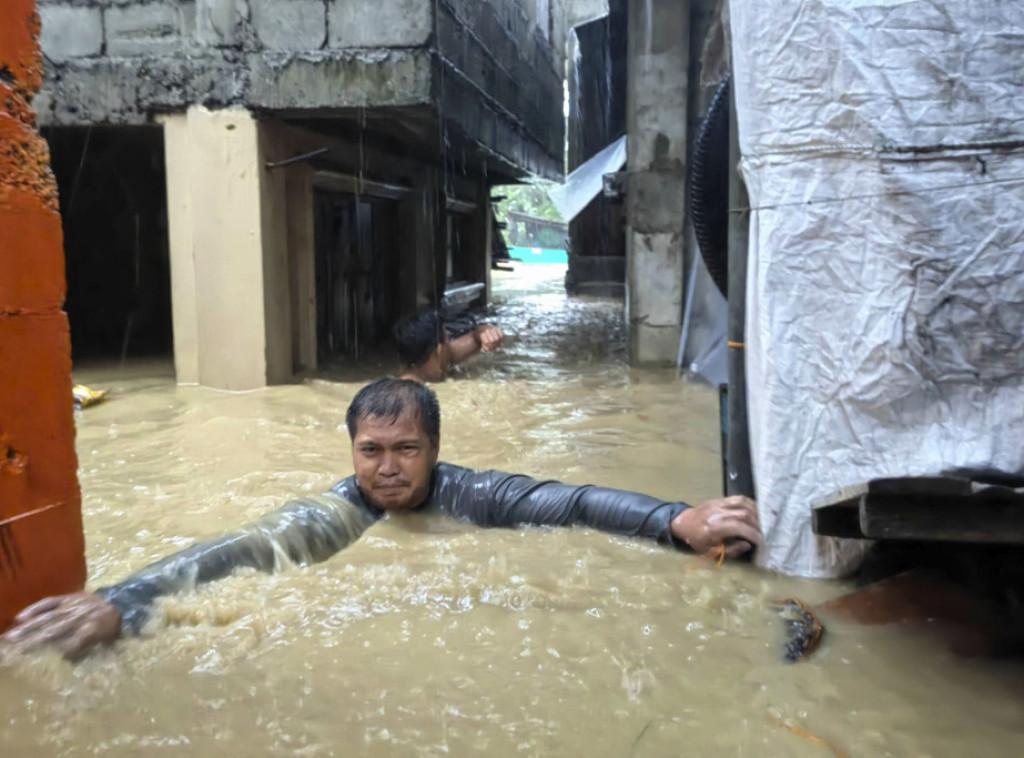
[[489, 337], [729, 521], [74, 624]]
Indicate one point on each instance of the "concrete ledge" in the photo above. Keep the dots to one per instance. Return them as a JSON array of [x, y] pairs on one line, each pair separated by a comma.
[[340, 79], [129, 90]]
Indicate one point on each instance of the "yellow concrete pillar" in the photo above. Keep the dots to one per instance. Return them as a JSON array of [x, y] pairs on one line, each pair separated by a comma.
[[217, 241]]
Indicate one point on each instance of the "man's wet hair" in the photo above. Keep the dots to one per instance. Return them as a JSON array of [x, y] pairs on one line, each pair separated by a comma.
[[418, 335], [388, 399]]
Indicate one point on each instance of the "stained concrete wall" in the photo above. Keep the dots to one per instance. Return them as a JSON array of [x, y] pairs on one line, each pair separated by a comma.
[[42, 550], [493, 66], [657, 111]]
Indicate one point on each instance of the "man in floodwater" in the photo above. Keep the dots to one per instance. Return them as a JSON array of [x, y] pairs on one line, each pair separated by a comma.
[[395, 429], [427, 351]]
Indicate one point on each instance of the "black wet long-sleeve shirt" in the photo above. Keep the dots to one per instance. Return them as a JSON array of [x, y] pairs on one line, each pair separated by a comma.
[[313, 529]]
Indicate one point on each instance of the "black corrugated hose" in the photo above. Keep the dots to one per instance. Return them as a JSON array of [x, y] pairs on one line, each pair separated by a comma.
[[707, 188]]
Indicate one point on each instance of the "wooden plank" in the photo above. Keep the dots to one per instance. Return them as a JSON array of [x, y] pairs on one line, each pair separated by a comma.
[[950, 508], [920, 485], [838, 520], [903, 485], [843, 495], [988, 519]]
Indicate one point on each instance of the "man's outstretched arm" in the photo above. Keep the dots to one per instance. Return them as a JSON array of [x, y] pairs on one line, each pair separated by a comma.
[[493, 498], [309, 530]]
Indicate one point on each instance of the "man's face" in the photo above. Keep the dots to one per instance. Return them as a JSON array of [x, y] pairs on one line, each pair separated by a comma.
[[394, 460]]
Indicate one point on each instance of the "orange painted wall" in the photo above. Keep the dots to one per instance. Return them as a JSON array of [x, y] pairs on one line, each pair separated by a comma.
[[42, 551]]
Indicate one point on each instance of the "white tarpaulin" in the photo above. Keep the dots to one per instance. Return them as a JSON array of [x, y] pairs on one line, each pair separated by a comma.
[[881, 145], [587, 181]]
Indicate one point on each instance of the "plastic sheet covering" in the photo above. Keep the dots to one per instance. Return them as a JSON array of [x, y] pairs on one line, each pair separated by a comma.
[[584, 184], [881, 146], [702, 348]]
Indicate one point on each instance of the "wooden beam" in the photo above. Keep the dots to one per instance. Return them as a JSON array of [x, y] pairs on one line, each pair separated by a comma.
[[948, 509]]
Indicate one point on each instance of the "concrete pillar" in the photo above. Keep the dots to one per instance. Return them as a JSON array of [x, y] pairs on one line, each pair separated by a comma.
[[656, 112], [229, 252], [179, 238], [42, 551]]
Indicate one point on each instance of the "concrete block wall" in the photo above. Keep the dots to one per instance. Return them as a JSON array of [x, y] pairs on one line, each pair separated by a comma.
[[513, 58], [500, 67], [397, 23], [155, 28], [72, 31]]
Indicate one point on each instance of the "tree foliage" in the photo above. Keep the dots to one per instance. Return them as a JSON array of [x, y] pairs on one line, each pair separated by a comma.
[[531, 199]]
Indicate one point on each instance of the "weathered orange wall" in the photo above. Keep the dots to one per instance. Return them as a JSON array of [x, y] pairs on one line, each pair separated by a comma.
[[41, 545]]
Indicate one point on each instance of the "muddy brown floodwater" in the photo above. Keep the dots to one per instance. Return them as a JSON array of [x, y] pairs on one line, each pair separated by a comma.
[[430, 637]]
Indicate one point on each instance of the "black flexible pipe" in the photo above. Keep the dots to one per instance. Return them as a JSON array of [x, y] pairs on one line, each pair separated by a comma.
[[707, 187]]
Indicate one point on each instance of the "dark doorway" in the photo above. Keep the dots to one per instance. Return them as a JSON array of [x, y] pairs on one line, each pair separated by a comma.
[[114, 206], [356, 241]]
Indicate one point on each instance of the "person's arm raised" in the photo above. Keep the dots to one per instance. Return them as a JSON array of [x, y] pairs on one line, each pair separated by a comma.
[[484, 338]]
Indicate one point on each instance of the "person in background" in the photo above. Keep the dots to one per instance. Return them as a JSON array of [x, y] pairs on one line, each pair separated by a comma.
[[428, 350]]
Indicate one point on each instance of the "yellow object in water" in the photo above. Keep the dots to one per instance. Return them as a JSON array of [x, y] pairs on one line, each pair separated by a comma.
[[84, 397]]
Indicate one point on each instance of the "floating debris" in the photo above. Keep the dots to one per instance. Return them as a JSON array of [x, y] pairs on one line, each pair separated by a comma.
[[803, 630], [837, 752], [84, 397]]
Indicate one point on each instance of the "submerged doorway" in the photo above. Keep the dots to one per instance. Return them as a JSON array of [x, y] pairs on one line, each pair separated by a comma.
[[114, 207], [356, 244]]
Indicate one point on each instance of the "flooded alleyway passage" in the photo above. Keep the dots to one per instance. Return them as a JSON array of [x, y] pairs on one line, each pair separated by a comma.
[[429, 637]]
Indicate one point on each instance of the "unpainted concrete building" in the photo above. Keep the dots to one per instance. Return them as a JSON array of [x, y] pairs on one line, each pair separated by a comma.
[[267, 185], [637, 71]]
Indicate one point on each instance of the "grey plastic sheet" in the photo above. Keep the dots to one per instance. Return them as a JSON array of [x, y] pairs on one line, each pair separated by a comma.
[[587, 181]]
